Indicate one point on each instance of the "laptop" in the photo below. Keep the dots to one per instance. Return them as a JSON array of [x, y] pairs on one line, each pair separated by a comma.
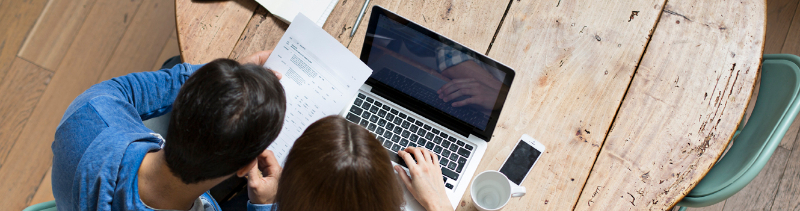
[[429, 91]]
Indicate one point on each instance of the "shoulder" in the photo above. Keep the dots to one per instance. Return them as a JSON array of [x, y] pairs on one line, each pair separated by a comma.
[[89, 116]]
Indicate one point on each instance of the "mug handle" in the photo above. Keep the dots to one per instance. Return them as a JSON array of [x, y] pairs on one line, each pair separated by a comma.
[[517, 191]]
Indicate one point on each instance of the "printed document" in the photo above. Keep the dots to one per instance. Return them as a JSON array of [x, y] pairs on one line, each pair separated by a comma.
[[320, 77]]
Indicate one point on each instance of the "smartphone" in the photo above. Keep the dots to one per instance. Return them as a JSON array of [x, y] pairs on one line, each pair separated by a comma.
[[520, 162]]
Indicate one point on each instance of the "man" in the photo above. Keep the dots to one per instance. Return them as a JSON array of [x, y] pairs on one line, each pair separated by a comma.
[[223, 119]]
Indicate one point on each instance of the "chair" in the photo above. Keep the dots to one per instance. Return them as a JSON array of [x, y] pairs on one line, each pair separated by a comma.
[[775, 110], [159, 124], [44, 206]]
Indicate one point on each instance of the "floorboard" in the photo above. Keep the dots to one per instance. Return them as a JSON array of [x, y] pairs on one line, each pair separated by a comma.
[[16, 19], [788, 197], [779, 17], [21, 91], [30, 158], [171, 49], [45, 191], [759, 194], [54, 31], [792, 43], [143, 41], [715, 207]]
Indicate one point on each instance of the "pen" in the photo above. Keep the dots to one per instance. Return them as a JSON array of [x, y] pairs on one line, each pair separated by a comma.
[[358, 20]]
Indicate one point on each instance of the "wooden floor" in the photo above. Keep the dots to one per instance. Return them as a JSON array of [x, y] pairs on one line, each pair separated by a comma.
[[51, 51]]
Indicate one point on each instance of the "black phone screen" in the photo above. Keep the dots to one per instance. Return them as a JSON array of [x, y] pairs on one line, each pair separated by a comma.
[[520, 162]]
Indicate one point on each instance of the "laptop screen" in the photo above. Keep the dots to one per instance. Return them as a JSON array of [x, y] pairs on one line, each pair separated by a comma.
[[433, 70]]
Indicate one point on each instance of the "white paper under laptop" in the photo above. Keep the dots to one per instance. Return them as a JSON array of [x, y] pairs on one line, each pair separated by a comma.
[[320, 77]]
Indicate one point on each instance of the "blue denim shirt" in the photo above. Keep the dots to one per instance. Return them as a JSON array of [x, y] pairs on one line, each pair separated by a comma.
[[101, 140]]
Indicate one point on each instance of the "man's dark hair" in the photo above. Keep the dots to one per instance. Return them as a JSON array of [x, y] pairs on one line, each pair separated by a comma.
[[224, 116]]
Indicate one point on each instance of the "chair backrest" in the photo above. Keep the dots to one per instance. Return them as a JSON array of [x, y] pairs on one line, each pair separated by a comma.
[[44, 206], [775, 110], [159, 124]]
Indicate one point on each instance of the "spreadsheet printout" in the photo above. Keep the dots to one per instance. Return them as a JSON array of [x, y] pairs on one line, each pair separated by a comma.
[[320, 77]]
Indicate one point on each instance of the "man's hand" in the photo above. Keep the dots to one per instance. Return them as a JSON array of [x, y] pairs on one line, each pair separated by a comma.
[[426, 183], [259, 58], [470, 69], [473, 92], [262, 189]]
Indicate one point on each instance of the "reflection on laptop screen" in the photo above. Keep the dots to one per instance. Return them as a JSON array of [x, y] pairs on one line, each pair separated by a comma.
[[448, 78]]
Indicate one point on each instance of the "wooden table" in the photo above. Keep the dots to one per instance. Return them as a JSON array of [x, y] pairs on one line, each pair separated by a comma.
[[634, 101]]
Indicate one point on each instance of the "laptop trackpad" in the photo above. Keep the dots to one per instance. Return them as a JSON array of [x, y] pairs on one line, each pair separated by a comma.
[[411, 203]]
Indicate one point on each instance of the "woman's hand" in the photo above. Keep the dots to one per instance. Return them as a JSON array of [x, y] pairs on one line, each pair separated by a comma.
[[262, 180], [259, 58], [426, 178]]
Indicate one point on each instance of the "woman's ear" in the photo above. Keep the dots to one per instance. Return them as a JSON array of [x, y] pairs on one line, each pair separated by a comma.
[[243, 171]]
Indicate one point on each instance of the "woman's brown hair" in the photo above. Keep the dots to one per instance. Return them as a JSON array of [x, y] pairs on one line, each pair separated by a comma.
[[338, 165]]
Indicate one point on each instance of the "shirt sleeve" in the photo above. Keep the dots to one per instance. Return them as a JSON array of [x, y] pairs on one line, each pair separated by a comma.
[[447, 56], [150, 93], [258, 207]]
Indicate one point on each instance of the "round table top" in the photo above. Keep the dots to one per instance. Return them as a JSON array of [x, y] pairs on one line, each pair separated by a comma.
[[635, 102]]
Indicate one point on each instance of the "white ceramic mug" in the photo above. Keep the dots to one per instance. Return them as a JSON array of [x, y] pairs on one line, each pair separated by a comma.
[[491, 190]]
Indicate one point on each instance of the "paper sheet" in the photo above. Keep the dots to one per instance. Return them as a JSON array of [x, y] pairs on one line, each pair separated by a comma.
[[320, 76], [316, 10]]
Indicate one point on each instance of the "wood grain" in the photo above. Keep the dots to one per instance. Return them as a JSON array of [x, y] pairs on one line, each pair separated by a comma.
[[208, 30], [143, 41], [342, 19], [779, 18], [54, 31], [574, 61], [448, 18], [472, 23], [170, 49], [760, 193], [28, 161], [16, 20], [262, 33], [789, 188], [792, 43], [21, 91], [682, 107], [45, 191], [716, 207]]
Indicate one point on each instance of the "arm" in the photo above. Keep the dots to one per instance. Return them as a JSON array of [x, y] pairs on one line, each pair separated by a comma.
[[262, 181], [258, 207], [150, 93]]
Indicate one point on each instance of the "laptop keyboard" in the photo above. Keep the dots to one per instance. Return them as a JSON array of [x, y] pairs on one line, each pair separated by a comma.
[[396, 130]]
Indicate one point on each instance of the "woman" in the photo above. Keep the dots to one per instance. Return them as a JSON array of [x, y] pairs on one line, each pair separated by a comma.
[[337, 165]]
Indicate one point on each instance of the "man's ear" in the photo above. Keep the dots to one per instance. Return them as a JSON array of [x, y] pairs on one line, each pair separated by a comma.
[[243, 171]]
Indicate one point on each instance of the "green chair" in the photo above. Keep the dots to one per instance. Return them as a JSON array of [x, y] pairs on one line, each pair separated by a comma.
[[775, 110], [44, 206]]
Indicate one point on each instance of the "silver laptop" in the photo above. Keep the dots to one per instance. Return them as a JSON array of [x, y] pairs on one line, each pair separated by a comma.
[[429, 91]]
